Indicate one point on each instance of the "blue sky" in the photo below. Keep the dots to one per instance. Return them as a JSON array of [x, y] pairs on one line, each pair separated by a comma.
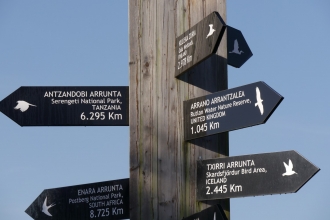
[[80, 43]]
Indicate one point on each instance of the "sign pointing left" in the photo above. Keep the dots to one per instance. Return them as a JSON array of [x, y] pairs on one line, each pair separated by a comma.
[[68, 106], [104, 200]]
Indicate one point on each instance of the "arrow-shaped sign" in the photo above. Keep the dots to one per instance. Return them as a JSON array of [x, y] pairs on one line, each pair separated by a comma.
[[67, 106], [104, 200], [238, 49], [253, 175], [212, 213], [199, 42], [229, 110]]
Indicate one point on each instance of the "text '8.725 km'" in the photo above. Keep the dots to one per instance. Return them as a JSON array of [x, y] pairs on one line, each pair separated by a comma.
[[103, 200]]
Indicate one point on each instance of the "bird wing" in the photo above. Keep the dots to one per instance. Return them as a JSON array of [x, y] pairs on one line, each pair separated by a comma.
[[44, 206], [258, 94], [24, 106], [290, 165], [17, 106], [47, 213], [286, 167], [210, 31], [236, 45], [261, 108], [259, 101]]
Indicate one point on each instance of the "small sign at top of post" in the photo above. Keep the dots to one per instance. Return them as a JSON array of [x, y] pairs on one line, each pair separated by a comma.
[[238, 51], [199, 42]]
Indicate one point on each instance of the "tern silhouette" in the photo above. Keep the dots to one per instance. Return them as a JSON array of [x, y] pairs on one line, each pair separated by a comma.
[[23, 105], [211, 30], [236, 50], [45, 207], [259, 101], [288, 169]]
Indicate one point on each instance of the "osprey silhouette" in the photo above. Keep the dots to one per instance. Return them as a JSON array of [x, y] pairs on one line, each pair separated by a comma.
[[288, 169], [45, 207], [259, 101], [23, 105], [211, 30], [236, 50]]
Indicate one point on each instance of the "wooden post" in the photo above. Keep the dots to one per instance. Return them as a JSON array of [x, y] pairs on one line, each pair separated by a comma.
[[163, 165]]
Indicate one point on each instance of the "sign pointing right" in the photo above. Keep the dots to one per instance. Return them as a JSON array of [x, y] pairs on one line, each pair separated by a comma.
[[199, 42], [253, 175], [228, 110], [238, 49]]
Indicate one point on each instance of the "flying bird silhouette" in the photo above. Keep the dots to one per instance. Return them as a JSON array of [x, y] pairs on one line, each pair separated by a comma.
[[288, 169], [45, 207], [236, 50], [259, 101], [23, 105], [211, 31]]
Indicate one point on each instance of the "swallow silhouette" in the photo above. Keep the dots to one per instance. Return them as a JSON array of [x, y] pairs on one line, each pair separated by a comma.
[[211, 30], [288, 169], [236, 50], [259, 101], [23, 105], [45, 207]]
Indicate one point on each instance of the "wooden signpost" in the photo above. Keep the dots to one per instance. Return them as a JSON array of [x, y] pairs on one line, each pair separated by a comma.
[[172, 172], [162, 165]]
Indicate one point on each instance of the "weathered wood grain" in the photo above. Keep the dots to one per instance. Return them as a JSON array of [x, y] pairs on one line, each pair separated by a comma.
[[162, 165]]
